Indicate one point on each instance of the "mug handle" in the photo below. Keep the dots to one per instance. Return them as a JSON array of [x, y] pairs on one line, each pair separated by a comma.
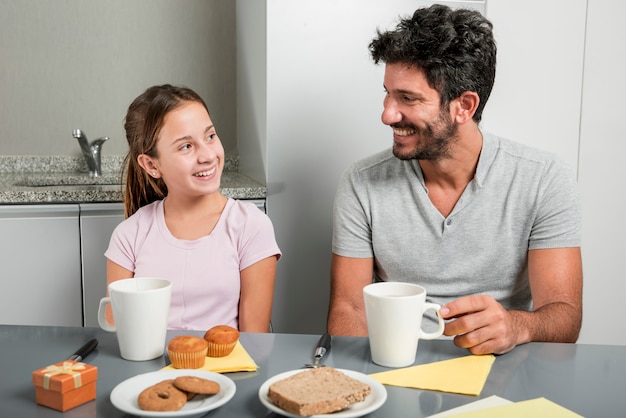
[[102, 320], [432, 335]]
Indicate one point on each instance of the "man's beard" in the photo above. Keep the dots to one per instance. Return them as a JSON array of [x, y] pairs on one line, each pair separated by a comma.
[[435, 140]]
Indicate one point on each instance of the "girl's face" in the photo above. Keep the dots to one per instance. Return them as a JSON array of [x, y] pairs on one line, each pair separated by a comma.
[[190, 154]]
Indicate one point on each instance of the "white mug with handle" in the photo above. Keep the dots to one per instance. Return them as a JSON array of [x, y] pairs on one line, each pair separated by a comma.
[[140, 310], [394, 312]]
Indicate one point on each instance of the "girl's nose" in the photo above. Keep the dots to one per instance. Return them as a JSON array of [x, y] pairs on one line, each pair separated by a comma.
[[206, 152]]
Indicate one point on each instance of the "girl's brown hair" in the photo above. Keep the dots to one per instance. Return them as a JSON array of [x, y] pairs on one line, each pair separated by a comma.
[[143, 123]]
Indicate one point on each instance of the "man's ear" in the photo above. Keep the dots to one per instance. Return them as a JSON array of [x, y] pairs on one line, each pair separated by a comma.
[[464, 107], [149, 165]]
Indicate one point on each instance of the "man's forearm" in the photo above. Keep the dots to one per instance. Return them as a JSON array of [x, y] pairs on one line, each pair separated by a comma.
[[555, 322], [346, 322]]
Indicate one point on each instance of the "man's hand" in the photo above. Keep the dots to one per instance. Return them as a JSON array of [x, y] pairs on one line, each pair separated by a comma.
[[482, 325]]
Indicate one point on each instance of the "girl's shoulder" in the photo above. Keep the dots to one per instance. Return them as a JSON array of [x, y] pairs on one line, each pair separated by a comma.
[[147, 213], [242, 212], [144, 216]]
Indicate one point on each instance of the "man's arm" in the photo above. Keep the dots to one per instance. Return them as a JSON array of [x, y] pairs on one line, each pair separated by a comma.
[[482, 325], [346, 313]]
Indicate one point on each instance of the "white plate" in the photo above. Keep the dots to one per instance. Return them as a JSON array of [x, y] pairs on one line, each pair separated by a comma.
[[124, 396], [372, 402]]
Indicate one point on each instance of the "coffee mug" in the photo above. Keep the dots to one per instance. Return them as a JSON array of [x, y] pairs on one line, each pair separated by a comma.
[[140, 310], [394, 312]]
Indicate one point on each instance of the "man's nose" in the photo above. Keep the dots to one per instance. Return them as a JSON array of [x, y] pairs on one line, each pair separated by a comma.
[[391, 114]]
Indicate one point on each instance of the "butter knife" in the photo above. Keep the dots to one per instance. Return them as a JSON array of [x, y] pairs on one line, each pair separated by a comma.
[[85, 350], [322, 347]]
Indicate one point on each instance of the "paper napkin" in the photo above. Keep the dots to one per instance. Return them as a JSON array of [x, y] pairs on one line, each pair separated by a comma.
[[237, 361], [488, 402], [539, 407], [466, 375]]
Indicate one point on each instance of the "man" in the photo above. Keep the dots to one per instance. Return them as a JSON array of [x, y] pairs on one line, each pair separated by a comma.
[[489, 227]]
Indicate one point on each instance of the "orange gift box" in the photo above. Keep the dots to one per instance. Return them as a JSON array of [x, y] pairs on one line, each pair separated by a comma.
[[65, 385]]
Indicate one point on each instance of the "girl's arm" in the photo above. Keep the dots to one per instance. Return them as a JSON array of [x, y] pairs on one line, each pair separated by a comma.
[[115, 272], [257, 293]]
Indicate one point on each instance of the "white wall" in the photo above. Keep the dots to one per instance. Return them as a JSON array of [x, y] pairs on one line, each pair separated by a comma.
[[560, 86], [558, 83], [323, 100], [536, 98], [601, 170]]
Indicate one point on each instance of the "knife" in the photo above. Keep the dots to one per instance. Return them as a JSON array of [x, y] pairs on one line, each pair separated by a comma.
[[85, 350], [322, 347]]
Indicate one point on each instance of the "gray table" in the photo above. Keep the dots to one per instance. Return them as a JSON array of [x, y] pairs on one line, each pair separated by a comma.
[[587, 379]]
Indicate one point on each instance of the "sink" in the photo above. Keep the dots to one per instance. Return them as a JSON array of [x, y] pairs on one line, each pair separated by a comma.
[[68, 179]]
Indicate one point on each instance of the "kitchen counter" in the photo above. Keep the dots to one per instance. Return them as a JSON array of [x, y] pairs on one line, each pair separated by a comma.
[[19, 176]]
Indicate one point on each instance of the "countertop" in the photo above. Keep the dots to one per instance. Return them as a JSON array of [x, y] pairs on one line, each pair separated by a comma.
[[26, 180]]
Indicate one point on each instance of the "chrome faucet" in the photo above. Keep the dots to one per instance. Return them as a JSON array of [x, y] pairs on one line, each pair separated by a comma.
[[91, 152]]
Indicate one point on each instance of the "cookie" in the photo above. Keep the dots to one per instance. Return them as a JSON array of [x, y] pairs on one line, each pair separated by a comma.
[[163, 396], [197, 385]]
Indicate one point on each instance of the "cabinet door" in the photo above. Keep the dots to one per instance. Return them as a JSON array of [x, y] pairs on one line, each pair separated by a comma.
[[40, 260], [97, 222]]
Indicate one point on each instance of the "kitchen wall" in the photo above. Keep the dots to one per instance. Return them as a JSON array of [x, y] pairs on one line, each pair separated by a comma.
[[68, 64], [310, 99]]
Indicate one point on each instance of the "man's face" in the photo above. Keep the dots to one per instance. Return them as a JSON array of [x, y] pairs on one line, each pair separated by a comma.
[[421, 129]]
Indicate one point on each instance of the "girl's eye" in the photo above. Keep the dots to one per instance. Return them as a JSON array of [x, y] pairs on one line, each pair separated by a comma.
[[185, 147]]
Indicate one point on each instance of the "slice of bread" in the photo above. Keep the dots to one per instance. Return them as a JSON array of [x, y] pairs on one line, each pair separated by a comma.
[[317, 391]]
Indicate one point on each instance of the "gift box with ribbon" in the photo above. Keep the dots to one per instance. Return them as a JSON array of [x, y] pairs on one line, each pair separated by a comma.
[[65, 385]]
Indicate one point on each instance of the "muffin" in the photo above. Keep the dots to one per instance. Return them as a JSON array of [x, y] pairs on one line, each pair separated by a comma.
[[187, 352], [222, 339]]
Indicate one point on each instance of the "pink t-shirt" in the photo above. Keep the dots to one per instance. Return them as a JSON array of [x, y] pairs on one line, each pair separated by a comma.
[[204, 272]]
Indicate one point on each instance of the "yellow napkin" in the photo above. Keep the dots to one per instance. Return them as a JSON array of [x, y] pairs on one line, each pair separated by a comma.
[[466, 375], [540, 407], [237, 361]]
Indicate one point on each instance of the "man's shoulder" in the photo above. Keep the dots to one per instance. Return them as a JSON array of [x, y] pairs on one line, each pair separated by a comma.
[[518, 150]]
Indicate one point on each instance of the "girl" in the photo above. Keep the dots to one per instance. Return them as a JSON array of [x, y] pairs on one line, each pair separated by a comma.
[[219, 253]]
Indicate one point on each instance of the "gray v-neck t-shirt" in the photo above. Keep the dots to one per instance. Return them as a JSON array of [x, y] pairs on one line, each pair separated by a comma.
[[520, 199]]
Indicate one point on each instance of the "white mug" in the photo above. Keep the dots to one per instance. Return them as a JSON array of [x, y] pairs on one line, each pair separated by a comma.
[[140, 310], [394, 312]]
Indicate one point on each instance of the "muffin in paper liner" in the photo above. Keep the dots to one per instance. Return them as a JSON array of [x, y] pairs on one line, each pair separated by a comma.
[[187, 352], [222, 340]]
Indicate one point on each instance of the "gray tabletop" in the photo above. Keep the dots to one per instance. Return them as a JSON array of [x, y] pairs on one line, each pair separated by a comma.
[[587, 379]]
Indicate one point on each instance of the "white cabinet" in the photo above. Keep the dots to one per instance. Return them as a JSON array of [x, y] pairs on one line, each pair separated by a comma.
[[40, 259], [97, 221]]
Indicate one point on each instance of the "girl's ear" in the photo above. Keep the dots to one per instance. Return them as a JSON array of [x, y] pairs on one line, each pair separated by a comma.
[[465, 106], [149, 165]]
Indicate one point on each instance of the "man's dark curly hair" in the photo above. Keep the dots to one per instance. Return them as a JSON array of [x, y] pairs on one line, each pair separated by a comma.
[[455, 49]]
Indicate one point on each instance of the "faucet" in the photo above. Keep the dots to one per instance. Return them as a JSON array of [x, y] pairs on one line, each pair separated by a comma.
[[91, 152]]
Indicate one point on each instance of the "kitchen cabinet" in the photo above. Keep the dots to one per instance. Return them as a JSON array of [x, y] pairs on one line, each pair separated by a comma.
[[52, 258], [97, 221], [40, 259]]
